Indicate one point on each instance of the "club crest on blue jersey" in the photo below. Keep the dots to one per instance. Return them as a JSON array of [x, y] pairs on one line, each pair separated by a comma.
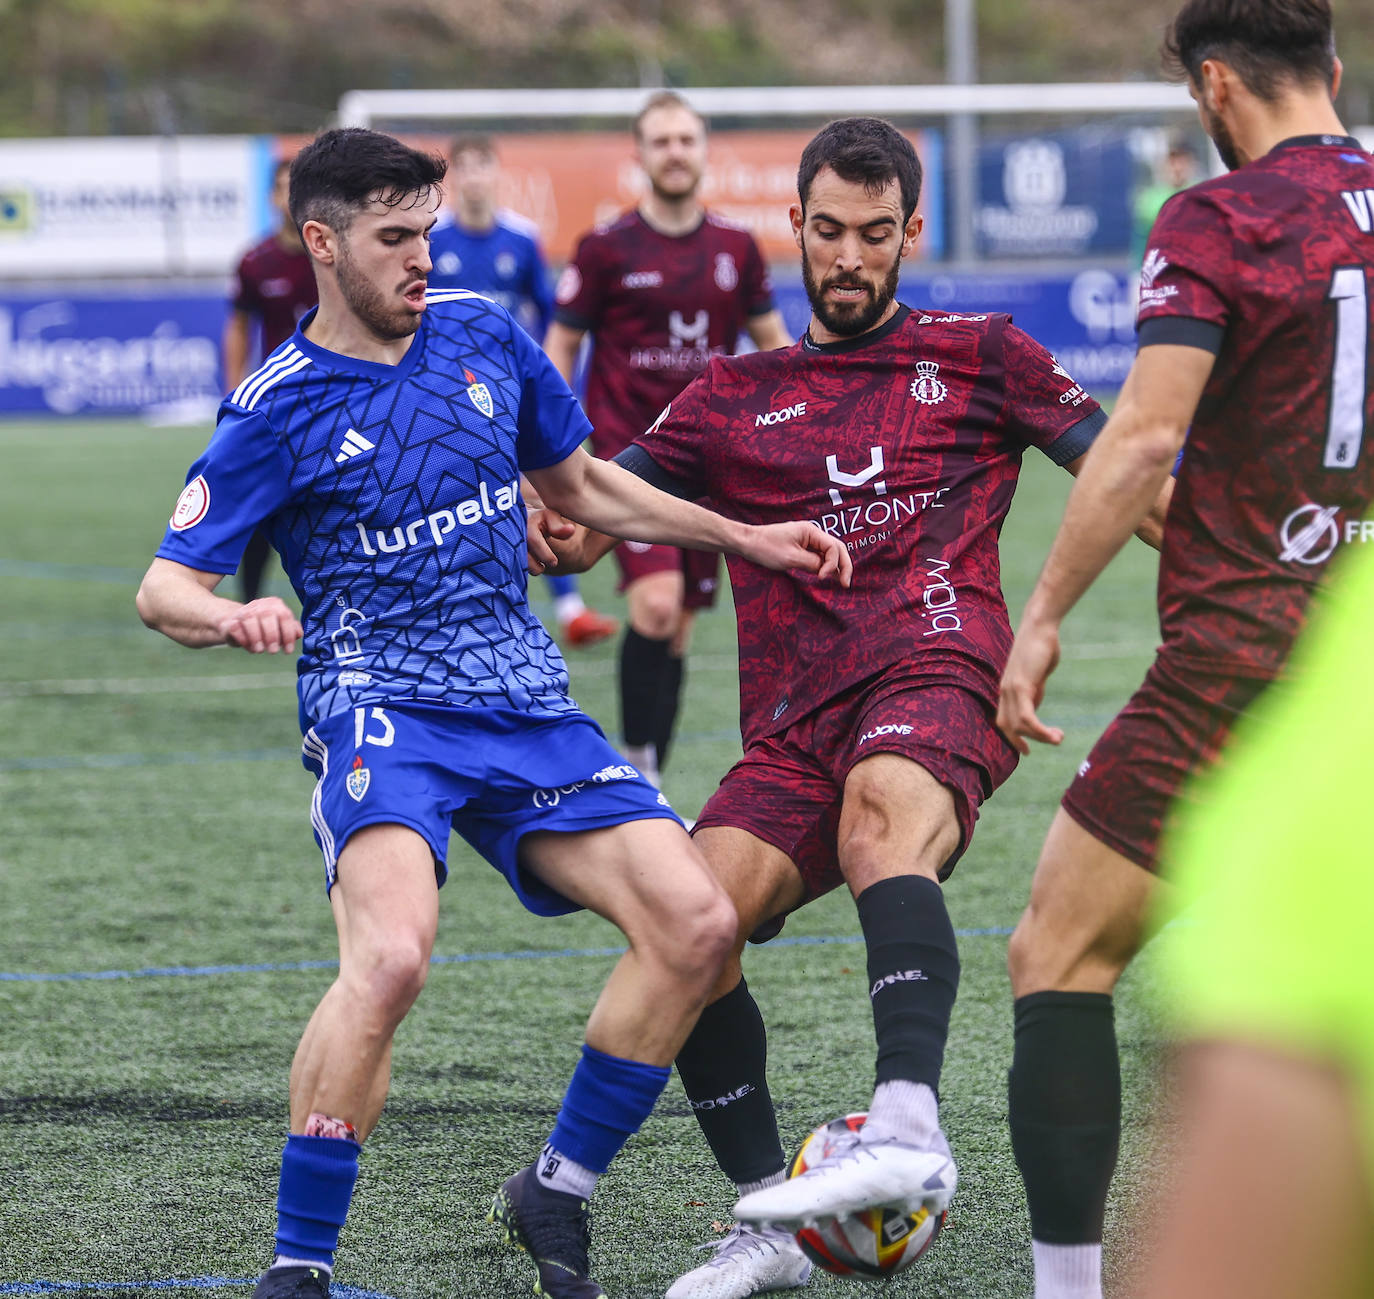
[[480, 394], [358, 780]]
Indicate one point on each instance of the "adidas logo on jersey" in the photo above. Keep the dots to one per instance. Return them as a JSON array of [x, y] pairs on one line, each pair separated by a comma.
[[354, 444]]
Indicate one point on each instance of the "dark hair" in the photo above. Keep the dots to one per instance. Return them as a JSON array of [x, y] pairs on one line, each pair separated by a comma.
[[473, 142], [1266, 42], [664, 99], [864, 150], [338, 173]]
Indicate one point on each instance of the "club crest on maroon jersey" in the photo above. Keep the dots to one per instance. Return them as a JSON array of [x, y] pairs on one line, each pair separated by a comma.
[[926, 388]]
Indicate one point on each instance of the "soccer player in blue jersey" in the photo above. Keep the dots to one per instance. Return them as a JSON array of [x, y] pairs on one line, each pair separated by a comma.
[[382, 449], [495, 252]]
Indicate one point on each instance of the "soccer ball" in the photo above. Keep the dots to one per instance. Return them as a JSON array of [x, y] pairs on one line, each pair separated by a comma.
[[873, 1244]]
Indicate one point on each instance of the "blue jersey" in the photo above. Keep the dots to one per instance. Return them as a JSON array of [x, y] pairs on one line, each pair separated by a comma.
[[503, 263], [392, 494]]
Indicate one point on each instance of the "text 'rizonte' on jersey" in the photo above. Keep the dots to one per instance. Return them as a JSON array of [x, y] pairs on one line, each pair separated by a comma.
[[392, 494]]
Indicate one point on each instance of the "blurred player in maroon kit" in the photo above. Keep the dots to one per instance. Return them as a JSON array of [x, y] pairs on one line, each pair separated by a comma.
[[868, 714], [661, 291], [1254, 328], [273, 288]]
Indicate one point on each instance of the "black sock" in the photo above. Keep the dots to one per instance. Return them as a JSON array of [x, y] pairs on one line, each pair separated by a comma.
[[913, 975], [642, 665], [670, 695], [723, 1070], [1064, 1105], [253, 564]]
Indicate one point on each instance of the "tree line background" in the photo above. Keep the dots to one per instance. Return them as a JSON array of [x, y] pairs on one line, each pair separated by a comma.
[[133, 67]]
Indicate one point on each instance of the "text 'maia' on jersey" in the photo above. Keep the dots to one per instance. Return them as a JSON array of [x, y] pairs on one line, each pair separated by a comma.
[[1271, 267], [906, 442], [503, 262], [658, 307], [392, 494]]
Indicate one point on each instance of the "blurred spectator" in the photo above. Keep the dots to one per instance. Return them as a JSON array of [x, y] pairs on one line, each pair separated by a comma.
[[1272, 1188], [496, 253], [273, 288], [1178, 169]]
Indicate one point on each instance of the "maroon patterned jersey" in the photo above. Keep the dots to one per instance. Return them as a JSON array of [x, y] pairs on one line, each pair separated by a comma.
[[277, 287], [658, 307], [906, 442], [1269, 268]]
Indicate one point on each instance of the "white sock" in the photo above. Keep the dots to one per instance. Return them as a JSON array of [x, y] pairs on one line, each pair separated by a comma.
[[567, 607], [1067, 1271], [645, 759], [284, 1260], [748, 1188], [902, 1109], [556, 1172]]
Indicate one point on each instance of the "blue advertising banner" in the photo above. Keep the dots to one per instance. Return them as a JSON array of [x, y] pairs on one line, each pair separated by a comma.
[[73, 355], [1063, 194], [1086, 318]]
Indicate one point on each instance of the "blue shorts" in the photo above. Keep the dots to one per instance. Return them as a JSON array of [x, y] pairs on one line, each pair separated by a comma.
[[494, 775]]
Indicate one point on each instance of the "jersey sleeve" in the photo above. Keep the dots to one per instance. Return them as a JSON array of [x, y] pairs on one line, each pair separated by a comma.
[[678, 440], [238, 482], [243, 289], [1044, 407], [1185, 296], [550, 425], [541, 295], [757, 283], [581, 292]]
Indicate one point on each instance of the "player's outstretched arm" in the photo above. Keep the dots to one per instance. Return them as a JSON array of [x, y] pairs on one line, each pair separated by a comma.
[[181, 603], [604, 496], [1120, 484], [558, 545]]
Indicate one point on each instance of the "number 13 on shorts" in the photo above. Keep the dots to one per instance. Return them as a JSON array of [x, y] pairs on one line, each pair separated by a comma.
[[383, 734]]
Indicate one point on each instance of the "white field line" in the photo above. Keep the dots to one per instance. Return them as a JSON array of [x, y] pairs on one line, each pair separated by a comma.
[[232, 682]]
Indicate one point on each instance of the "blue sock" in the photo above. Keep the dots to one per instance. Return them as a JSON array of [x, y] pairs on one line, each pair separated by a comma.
[[561, 584], [606, 1101], [317, 1176]]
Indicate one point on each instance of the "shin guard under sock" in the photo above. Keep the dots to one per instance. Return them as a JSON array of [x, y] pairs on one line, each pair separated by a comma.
[[669, 700], [723, 1067], [1064, 1107], [913, 975], [606, 1101], [317, 1177], [643, 663]]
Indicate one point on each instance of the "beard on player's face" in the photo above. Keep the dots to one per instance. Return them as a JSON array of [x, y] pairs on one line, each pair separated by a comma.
[[849, 319], [1221, 137], [369, 303], [676, 183]]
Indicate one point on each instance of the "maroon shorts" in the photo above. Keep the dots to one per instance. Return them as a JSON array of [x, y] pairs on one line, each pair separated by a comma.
[[700, 569], [1175, 724], [787, 789]]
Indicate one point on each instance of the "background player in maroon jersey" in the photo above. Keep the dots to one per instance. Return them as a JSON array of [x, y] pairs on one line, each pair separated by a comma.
[[1254, 326], [273, 288], [661, 290], [868, 714]]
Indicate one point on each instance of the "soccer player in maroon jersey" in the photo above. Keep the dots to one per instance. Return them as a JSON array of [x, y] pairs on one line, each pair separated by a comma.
[[868, 714], [273, 288], [1254, 325], [661, 291]]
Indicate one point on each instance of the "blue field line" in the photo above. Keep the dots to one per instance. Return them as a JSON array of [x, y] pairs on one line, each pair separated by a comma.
[[462, 958], [69, 573], [177, 1283]]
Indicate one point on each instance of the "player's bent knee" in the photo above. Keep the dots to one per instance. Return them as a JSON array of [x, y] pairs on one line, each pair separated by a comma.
[[390, 978], [1042, 957], [700, 939]]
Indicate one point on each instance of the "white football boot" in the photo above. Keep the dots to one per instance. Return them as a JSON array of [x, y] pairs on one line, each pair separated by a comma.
[[883, 1174], [748, 1261]]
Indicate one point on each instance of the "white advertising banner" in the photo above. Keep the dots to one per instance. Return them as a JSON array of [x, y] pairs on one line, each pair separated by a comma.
[[184, 205]]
